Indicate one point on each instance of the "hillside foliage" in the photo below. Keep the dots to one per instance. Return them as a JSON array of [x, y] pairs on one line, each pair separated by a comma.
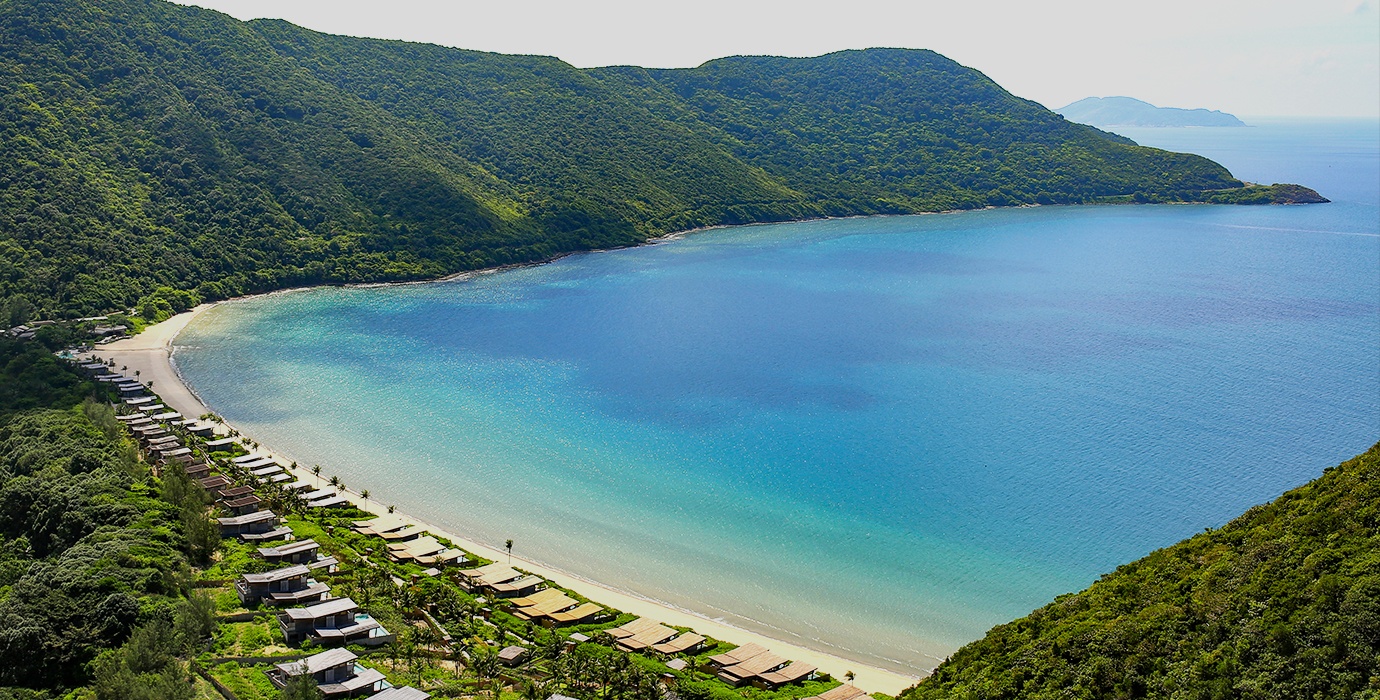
[[93, 556], [1283, 602], [154, 154]]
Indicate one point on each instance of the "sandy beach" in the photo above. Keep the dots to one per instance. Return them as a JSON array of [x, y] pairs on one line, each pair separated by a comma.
[[150, 353]]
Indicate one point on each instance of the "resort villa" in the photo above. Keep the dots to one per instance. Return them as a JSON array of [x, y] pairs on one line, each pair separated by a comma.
[[291, 585], [333, 622], [336, 672]]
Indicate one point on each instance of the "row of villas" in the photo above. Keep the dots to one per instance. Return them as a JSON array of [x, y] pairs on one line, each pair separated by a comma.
[[309, 610]]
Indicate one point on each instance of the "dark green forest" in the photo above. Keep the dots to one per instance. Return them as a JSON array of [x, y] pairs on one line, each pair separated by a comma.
[[95, 586], [1281, 603], [149, 146]]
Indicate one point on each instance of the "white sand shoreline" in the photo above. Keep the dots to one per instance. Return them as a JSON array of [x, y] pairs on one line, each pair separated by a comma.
[[150, 353]]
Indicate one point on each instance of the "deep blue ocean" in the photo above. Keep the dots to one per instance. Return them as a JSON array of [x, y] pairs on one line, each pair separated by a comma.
[[878, 437]]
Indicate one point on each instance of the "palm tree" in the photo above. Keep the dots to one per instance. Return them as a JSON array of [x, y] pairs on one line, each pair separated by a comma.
[[335, 481], [534, 690], [365, 495], [849, 676], [316, 469], [390, 508], [509, 545]]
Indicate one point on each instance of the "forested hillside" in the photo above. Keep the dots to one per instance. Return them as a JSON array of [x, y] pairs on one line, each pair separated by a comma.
[[1283, 602], [94, 582], [147, 145]]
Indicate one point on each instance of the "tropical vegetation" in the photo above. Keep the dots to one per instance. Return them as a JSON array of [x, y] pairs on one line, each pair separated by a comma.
[[155, 155], [1282, 602]]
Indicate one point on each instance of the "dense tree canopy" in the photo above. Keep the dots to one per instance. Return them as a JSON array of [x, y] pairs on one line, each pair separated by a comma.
[[87, 550], [153, 154], [1283, 602]]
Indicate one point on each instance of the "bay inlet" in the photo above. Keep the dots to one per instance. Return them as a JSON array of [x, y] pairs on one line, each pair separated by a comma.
[[876, 437]]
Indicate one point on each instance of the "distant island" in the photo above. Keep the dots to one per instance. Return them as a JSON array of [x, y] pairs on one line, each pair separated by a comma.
[[1128, 111]]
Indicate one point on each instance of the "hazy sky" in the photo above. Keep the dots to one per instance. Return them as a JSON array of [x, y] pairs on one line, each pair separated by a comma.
[[1250, 57]]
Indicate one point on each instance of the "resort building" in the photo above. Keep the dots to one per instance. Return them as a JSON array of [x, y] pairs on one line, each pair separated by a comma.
[[300, 552], [258, 526], [380, 525], [512, 656], [292, 585], [752, 663], [334, 622], [336, 671], [221, 444], [686, 643], [552, 608], [242, 505], [215, 484], [234, 492]]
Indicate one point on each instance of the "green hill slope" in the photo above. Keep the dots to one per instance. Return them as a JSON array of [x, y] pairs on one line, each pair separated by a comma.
[[1283, 602], [147, 145], [893, 130]]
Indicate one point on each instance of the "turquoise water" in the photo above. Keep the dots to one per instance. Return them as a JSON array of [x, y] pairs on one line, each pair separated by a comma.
[[877, 437]]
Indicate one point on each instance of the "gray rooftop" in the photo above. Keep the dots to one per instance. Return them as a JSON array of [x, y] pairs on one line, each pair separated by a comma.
[[317, 663]]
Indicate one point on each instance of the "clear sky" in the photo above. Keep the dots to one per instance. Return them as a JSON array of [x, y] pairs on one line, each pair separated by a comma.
[[1249, 57]]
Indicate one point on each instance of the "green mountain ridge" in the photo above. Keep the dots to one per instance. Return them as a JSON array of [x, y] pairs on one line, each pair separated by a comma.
[[1282, 602], [148, 147]]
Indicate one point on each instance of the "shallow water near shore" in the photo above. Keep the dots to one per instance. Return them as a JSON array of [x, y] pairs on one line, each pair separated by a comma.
[[876, 437]]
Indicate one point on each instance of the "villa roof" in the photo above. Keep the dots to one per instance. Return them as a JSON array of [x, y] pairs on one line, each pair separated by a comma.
[[842, 692], [490, 574], [214, 482], [405, 533], [633, 628], [551, 605], [317, 663], [243, 501], [379, 525], [796, 671], [647, 637], [221, 442], [257, 516], [289, 548], [541, 596], [405, 692], [236, 491], [367, 678], [684, 642], [517, 584], [579, 612], [245, 459], [282, 574], [756, 665], [738, 655], [334, 606], [264, 536]]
